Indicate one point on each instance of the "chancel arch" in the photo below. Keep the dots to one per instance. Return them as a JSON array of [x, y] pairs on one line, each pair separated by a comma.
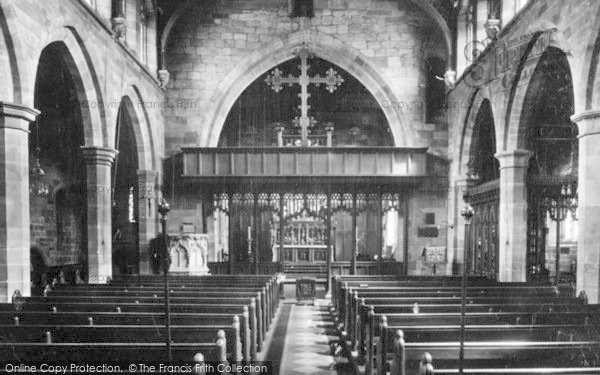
[[325, 47], [346, 112]]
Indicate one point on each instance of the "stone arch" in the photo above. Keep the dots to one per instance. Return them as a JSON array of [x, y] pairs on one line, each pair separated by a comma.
[[513, 138], [10, 91], [280, 50], [133, 102], [466, 141], [591, 71], [87, 87]]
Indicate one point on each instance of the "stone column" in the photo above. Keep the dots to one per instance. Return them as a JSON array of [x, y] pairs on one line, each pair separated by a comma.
[[512, 232], [14, 199], [588, 243], [99, 161], [147, 218]]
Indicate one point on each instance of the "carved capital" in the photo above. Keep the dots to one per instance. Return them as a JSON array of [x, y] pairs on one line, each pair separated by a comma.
[[99, 155], [514, 158], [17, 111], [588, 123]]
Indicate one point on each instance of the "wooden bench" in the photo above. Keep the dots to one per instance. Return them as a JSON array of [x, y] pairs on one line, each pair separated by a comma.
[[254, 315], [428, 313], [481, 354], [131, 311], [237, 347], [110, 352]]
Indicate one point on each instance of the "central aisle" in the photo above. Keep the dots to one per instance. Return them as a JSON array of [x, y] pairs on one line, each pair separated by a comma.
[[308, 340]]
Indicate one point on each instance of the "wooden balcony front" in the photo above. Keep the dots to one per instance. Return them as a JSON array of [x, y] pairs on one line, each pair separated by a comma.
[[303, 162]]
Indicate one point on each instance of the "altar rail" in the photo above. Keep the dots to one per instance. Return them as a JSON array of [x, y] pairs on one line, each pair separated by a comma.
[[222, 268], [337, 268], [367, 268], [309, 161]]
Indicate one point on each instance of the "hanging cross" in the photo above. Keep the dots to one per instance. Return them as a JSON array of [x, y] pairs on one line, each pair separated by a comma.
[[332, 80]]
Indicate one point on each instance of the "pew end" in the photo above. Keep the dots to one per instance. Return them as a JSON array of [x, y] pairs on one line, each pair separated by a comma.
[[199, 364]]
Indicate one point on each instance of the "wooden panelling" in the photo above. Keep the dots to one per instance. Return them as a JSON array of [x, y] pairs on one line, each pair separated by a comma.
[[232, 162]]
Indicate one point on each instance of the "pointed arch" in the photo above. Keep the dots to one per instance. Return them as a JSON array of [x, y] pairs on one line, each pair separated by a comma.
[[479, 98], [325, 47], [87, 87], [543, 39], [133, 103], [10, 44]]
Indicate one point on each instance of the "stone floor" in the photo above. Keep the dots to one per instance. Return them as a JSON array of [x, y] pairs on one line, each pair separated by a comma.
[[307, 343]]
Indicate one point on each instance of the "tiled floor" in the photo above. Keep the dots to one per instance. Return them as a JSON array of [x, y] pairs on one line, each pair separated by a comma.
[[309, 336]]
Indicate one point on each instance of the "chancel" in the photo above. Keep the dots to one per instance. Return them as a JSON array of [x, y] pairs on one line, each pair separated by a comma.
[[300, 187]]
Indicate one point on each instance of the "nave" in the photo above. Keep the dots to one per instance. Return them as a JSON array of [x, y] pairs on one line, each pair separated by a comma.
[[370, 325]]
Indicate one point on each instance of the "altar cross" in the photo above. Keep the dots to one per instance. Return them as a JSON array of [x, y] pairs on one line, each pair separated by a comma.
[[332, 80]]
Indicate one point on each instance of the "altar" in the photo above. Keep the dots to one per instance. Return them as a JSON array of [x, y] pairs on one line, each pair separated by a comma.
[[304, 240]]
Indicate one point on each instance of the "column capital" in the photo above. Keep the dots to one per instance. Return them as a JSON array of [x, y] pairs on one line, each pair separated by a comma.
[[588, 122], [18, 111], [99, 155], [514, 159], [147, 176]]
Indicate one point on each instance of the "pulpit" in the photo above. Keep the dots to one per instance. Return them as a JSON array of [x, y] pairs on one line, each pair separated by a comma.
[[188, 254]]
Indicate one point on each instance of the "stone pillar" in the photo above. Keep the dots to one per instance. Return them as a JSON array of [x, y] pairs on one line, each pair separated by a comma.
[[512, 232], [588, 212], [147, 218], [14, 199], [99, 161]]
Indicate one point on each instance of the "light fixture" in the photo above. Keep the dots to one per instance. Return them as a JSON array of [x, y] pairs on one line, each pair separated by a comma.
[[37, 182]]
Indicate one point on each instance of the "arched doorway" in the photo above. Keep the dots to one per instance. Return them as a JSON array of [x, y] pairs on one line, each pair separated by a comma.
[[552, 172], [125, 208], [58, 203], [484, 195]]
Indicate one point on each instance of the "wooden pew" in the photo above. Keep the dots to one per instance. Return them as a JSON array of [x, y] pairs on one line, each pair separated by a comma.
[[202, 304], [92, 333], [440, 304], [255, 337], [494, 354], [355, 312], [264, 307], [267, 303], [110, 352], [382, 326], [269, 300]]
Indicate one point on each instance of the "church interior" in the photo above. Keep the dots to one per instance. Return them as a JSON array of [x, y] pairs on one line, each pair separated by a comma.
[[300, 186]]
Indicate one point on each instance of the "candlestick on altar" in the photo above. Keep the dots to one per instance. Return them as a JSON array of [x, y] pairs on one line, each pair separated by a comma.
[[249, 240]]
